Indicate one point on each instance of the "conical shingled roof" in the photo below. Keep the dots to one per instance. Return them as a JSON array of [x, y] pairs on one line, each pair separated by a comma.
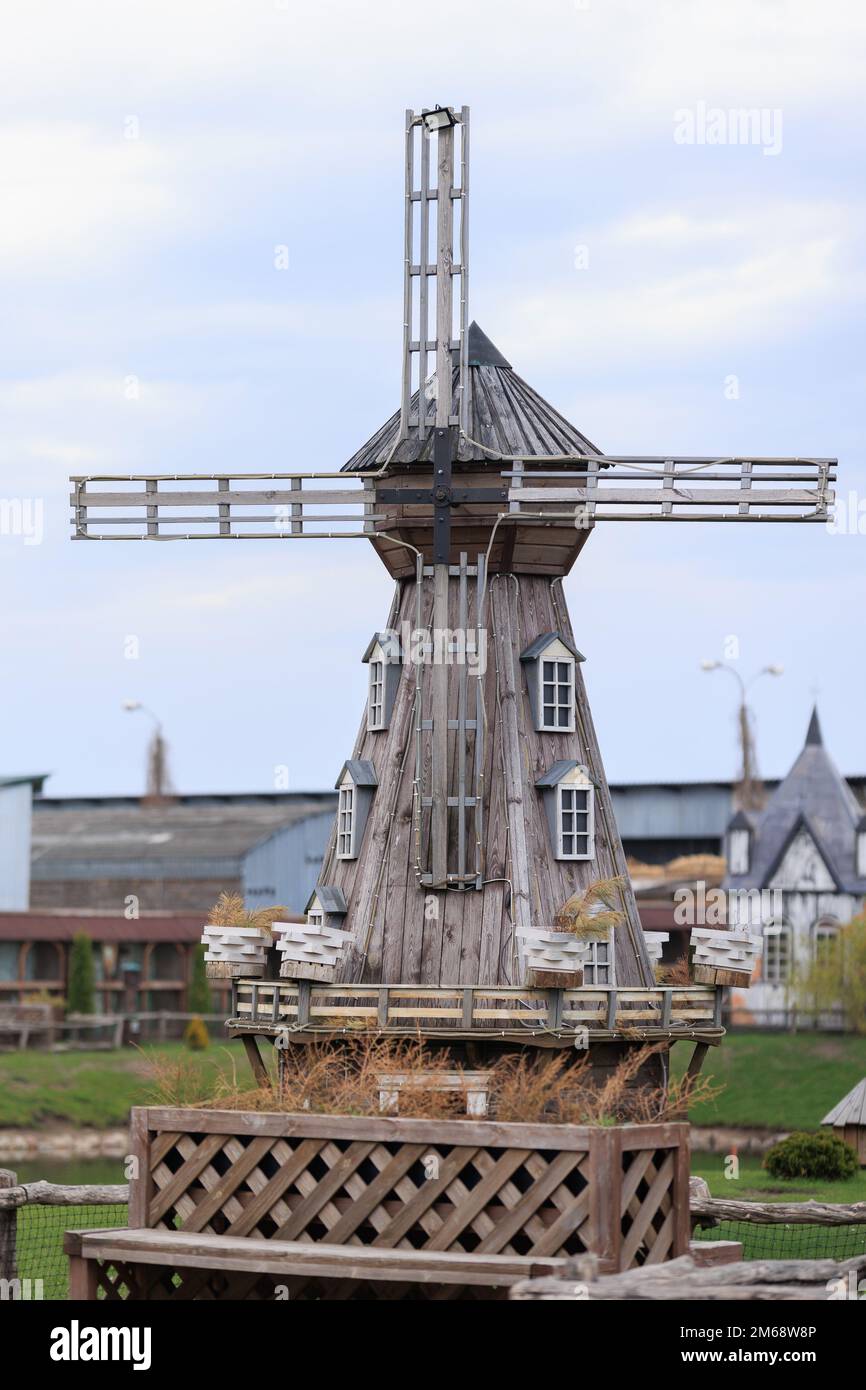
[[506, 416], [815, 795], [851, 1109]]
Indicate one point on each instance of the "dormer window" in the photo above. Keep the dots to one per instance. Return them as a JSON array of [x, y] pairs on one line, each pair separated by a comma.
[[739, 845], [383, 658], [356, 784], [569, 800], [326, 906], [557, 694], [346, 822], [575, 822], [550, 663], [376, 706]]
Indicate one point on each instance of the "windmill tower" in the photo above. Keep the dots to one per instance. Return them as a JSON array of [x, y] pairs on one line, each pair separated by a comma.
[[474, 807]]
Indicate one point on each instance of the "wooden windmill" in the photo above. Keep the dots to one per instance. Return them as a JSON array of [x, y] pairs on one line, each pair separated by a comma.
[[459, 891]]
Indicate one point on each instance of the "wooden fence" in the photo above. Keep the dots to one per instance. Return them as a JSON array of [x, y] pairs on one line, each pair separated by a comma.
[[457, 1185], [38, 1025], [247, 1204]]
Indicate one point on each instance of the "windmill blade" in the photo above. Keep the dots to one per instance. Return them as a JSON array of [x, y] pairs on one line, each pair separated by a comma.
[[671, 488], [207, 506], [430, 331]]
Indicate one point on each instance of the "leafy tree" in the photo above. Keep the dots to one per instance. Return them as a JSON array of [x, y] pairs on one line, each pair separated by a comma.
[[81, 976], [198, 995], [837, 976]]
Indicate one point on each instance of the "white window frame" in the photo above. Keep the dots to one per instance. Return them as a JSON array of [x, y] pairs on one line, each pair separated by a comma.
[[316, 918], [569, 788], [861, 853], [556, 705], [779, 972], [739, 851], [825, 929], [592, 964], [346, 821], [376, 696]]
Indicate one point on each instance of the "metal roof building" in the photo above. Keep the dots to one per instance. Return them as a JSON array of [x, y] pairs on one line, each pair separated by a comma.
[[174, 855]]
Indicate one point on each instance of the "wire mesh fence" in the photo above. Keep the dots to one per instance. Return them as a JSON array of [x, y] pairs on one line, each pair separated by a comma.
[[34, 1265], [41, 1265], [781, 1241]]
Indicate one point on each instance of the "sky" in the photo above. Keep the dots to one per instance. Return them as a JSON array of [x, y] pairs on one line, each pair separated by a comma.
[[665, 292]]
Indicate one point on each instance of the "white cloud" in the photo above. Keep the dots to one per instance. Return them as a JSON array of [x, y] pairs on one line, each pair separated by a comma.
[[69, 194], [746, 289]]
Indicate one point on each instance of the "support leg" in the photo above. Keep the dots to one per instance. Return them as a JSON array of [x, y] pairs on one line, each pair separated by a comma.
[[82, 1280], [254, 1057]]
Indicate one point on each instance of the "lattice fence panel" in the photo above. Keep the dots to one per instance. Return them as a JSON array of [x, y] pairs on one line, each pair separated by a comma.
[[647, 1209], [465, 1198]]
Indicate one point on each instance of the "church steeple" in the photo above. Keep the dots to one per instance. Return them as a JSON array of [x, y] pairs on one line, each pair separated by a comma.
[[813, 733]]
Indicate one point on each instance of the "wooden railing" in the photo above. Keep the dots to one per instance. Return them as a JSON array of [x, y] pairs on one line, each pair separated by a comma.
[[599, 1011]]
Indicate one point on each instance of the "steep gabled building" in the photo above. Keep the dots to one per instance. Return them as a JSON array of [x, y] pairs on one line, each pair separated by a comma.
[[805, 855]]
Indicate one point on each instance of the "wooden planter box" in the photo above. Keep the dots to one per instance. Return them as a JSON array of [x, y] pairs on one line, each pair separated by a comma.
[[233, 953], [456, 1185]]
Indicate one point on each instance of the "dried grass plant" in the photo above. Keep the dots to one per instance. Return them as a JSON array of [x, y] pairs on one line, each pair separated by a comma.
[[229, 910], [597, 909], [527, 1087], [679, 973]]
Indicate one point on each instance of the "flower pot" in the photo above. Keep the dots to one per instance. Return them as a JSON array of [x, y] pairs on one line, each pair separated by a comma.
[[234, 952], [309, 950]]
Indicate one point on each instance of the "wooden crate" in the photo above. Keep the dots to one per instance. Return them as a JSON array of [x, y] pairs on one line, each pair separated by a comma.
[[439, 1185]]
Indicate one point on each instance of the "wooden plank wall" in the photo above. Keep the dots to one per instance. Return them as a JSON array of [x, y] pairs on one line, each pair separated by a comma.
[[416, 936]]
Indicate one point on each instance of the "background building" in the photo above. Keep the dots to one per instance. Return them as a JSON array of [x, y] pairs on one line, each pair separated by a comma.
[[16, 816], [799, 866], [70, 864]]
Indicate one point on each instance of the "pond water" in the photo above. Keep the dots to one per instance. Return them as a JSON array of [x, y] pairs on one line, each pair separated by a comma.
[[67, 1170]]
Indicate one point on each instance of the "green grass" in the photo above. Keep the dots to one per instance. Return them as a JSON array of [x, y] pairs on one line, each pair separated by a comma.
[[39, 1090], [778, 1081], [755, 1185], [780, 1242], [39, 1242], [772, 1080]]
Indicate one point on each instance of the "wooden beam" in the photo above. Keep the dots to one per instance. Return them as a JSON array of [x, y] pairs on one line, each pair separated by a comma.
[[259, 1070], [8, 1228], [439, 738]]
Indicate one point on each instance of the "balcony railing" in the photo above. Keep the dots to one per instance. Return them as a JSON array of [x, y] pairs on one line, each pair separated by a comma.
[[304, 1007]]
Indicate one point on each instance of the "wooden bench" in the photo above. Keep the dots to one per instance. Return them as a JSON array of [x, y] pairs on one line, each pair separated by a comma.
[[140, 1261]]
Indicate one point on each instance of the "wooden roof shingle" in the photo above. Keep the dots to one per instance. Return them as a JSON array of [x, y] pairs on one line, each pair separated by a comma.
[[505, 416]]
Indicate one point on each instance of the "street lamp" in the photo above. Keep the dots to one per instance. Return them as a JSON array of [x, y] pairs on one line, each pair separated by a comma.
[[750, 793], [158, 779]]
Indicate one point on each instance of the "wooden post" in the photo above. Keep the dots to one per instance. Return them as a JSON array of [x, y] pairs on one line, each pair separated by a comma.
[[696, 1061], [439, 736], [254, 1057], [444, 284], [305, 991], [8, 1229], [141, 1179], [605, 1197]]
